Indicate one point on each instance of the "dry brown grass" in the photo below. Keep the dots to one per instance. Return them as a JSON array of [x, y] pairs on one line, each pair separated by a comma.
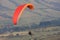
[[14, 33]]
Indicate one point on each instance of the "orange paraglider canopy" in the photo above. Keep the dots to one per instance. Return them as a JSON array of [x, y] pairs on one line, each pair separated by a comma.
[[19, 11]]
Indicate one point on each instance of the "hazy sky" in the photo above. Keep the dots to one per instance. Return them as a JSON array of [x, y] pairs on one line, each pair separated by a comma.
[[45, 10]]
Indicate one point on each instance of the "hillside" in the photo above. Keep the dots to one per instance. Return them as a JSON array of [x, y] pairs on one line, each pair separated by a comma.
[[44, 10], [51, 33]]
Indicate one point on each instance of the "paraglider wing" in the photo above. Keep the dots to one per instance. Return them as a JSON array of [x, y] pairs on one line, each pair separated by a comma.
[[19, 11]]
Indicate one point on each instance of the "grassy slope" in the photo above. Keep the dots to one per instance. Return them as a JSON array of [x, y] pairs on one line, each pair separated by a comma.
[[49, 33]]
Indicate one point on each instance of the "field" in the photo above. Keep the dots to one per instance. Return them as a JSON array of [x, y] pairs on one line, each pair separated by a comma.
[[47, 33]]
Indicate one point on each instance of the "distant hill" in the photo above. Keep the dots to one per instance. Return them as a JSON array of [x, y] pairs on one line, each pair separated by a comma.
[[44, 10], [50, 23]]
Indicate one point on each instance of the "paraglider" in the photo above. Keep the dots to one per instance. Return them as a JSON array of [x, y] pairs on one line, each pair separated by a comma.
[[19, 10], [30, 33]]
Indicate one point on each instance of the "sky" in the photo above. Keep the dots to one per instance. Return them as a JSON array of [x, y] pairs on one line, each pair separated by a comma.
[[44, 10]]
